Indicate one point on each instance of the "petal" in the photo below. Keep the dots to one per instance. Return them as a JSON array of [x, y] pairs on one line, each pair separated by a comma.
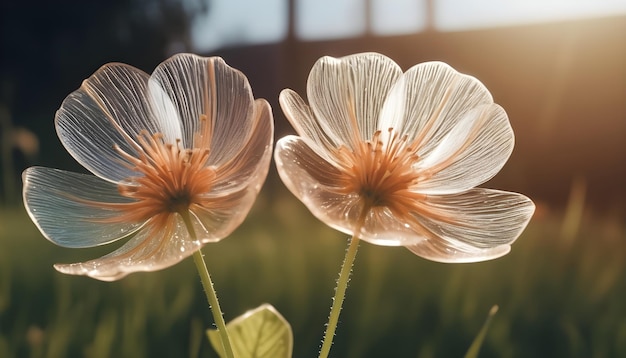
[[249, 167], [476, 225], [239, 180], [213, 100], [471, 152], [64, 206], [347, 94], [162, 242], [428, 101], [313, 180], [220, 215], [109, 109], [384, 227], [303, 120]]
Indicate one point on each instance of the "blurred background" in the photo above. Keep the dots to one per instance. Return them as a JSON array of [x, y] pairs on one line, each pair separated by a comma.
[[557, 67]]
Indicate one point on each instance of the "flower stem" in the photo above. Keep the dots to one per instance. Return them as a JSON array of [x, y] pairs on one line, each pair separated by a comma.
[[214, 304], [209, 290], [340, 293]]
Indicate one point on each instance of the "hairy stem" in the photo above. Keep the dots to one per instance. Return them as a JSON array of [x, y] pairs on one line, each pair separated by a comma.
[[340, 293], [209, 290]]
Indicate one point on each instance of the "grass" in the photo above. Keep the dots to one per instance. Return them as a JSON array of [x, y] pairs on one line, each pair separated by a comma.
[[560, 293]]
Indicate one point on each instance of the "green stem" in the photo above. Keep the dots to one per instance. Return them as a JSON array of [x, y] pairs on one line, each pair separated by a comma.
[[209, 290], [213, 302], [340, 294]]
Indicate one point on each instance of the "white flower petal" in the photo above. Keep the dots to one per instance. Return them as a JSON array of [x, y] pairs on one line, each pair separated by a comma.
[[110, 108], [165, 114], [476, 225], [303, 120], [250, 166], [429, 100], [470, 153], [162, 242], [384, 227], [239, 180], [64, 206], [308, 176], [213, 100], [347, 94], [224, 213], [440, 251]]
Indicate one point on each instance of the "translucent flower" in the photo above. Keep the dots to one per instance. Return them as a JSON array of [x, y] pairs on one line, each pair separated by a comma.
[[187, 147], [394, 158]]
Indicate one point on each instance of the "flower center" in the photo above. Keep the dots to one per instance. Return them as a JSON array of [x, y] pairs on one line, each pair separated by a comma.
[[380, 170], [173, 179]]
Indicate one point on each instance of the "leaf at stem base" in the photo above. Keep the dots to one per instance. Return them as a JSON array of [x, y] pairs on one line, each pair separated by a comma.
[[259, 333]]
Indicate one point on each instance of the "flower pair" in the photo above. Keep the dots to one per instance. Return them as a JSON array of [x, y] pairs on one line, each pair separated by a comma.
[[390, 157]]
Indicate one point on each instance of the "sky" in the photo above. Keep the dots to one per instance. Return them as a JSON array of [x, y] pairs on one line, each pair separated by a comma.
[[240, 22]]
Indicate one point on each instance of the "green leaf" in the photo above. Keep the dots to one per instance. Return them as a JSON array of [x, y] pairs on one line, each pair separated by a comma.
[[473, 350], [258, 333]]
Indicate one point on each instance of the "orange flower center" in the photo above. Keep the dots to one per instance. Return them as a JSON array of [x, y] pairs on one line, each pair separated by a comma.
[[173, 179], [380, 171]]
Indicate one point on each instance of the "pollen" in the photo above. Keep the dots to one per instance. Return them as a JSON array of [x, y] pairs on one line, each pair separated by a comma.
[[380, 171], [171, 178]]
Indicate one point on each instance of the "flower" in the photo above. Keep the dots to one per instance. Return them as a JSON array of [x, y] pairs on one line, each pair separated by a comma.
[[185, 148], [394, 158]]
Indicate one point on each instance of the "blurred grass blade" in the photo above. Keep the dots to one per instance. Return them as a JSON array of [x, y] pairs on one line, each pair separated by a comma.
[[473, 350], [574, 210], [259, 333]]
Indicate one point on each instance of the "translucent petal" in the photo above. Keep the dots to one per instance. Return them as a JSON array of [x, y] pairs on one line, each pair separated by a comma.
[[303, 120], [440, 251], [162, 242], [383, 226], [213, 100], [470, 153], [64, 206], [250, 166], [110, 108], [308, 177], [301, 169], [476, 225], [428, 101], [221, 213], [314, 181], [347, 94], [239, 180]]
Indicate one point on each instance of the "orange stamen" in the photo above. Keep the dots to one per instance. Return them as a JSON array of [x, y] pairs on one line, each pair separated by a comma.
[[380, 171]]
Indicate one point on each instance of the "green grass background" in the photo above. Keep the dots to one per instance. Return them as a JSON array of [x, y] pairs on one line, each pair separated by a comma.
[[561, 292]]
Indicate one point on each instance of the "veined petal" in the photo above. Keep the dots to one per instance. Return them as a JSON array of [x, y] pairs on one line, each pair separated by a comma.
[[308, 176], [477, 225], [162, 242], [108, 110], [441, 251], [238, 181], [347, 94], [471, 153], [221, 213], [64, 206], [303, 120], [301, 169], [213, 100], [250, 166], [384, 227], [428, 101]]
